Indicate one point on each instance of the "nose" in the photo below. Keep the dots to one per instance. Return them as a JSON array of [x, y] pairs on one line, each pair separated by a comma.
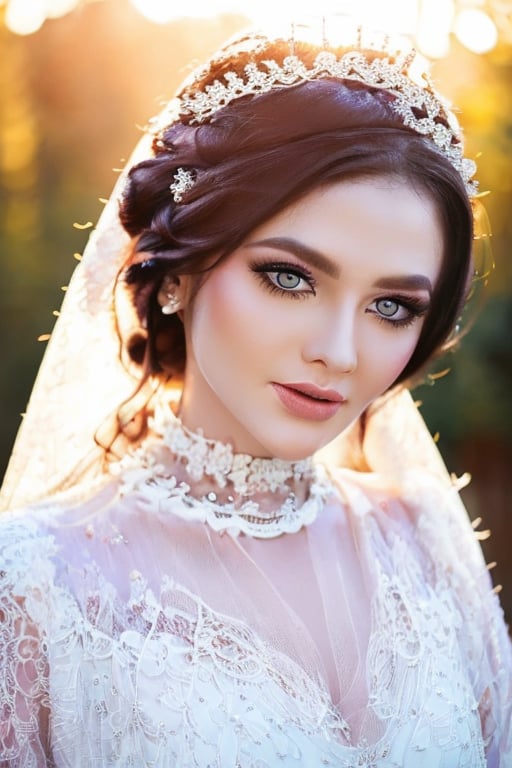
[[333, 343]]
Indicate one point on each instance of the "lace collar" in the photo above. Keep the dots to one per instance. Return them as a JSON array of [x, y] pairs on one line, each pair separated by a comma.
[[231, 492]]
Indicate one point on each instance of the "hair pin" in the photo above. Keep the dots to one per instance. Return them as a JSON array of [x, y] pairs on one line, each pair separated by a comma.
[[183, 180]]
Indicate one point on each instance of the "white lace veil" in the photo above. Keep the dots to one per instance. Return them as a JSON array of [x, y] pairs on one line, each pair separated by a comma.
[[82, 382]]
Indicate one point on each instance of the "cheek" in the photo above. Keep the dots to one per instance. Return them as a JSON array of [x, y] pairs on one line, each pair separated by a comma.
[[400, 362], [389, 358], [224, 319]]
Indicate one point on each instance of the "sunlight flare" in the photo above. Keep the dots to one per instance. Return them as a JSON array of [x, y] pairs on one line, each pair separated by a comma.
[[476, 30], [24, 17]]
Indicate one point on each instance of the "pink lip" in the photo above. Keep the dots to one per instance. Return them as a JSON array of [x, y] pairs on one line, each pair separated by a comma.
[[308, 401]]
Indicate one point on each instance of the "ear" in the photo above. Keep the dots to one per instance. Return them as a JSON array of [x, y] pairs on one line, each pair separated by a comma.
[[171, 294]]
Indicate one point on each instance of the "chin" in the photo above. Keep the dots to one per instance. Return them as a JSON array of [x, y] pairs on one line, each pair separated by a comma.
[[296, 450], [294, 455], [330, 445]]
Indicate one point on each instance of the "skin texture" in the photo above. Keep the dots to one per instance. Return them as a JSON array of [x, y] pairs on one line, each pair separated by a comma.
[[331, 293]]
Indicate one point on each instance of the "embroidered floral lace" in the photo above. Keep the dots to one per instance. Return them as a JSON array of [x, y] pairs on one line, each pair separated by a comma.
[[232, 492], [133, 634]]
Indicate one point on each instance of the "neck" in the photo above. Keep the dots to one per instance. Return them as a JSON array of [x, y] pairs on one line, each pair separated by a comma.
[[201, 411], [210, 461], [206, 481]]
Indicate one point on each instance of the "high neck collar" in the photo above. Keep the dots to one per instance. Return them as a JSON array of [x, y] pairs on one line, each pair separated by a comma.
[[203, 457], [231, 492]]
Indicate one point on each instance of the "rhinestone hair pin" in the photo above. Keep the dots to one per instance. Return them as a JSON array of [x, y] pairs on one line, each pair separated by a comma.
[[416, 102], [183, 180]]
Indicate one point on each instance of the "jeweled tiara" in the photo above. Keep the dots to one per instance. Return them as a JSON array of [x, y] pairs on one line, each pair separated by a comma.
[[419, 106]]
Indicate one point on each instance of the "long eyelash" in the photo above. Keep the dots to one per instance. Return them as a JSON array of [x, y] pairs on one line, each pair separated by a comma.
[[413, 304], [403, 323], [273, 288], [262, 268]]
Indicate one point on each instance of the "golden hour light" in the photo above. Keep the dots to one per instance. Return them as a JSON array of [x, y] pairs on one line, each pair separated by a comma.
[[213, 287], [429, 23], [24, 17], [433, 27], [476, 30], [395, 17], [57, 8], [161, 12]]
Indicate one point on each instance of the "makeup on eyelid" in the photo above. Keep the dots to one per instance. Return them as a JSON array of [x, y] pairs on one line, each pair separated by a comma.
[[323, 263], [292, 335], [265, 268], [301, 250], [415, 305]]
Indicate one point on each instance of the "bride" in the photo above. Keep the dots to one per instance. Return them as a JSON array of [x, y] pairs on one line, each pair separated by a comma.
[[234, 543]]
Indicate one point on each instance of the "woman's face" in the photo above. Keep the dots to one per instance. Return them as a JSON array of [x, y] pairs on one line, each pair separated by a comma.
[[311, 318]]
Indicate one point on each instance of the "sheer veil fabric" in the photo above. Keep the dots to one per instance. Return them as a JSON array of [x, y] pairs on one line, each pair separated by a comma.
[[82, 380], [134, 635]]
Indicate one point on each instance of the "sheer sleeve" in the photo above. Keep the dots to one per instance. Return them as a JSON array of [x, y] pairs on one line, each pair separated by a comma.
[[23, 663]]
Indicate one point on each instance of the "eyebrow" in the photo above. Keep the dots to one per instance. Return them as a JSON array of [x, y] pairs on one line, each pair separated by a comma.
[[406, 282], [309, 255], [319, 261]]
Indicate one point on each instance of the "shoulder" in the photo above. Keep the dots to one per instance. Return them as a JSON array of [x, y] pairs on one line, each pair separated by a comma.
[[421, 512], [421, 495]]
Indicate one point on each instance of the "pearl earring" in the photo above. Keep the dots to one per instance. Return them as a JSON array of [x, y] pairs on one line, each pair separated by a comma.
[[169, 302], [171, 305]]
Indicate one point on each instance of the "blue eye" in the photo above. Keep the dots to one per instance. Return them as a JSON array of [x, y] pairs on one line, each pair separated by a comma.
[[287, 280], [387, 307], [399, 312]]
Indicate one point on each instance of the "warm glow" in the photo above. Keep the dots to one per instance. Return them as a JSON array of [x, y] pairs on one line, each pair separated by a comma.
[[25, 16], [156, 11], [433, 27], [427, 23], [56, 8], [395, 16], [163, 12], [476, 30]]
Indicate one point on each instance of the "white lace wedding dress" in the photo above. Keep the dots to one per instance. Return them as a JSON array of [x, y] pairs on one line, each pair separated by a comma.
[[159, 622]]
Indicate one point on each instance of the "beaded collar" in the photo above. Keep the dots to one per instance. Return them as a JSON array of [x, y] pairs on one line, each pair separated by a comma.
[[204, 480]]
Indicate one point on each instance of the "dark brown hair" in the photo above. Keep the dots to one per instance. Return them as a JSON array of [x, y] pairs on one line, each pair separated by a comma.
[[254, 158]]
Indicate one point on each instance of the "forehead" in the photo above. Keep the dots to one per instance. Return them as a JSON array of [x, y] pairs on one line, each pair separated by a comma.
[[381, 223]]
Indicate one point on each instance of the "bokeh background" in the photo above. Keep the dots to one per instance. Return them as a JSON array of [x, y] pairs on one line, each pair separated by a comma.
[[77, 80]]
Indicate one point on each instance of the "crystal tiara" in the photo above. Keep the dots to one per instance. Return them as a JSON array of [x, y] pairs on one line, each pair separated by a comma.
[[419, 106]]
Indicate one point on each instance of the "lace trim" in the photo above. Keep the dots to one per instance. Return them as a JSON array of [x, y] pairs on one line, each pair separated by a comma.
[[149, 472], [172, 631], [145, 476], [159, 676], [24, 687], [211, 458]]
